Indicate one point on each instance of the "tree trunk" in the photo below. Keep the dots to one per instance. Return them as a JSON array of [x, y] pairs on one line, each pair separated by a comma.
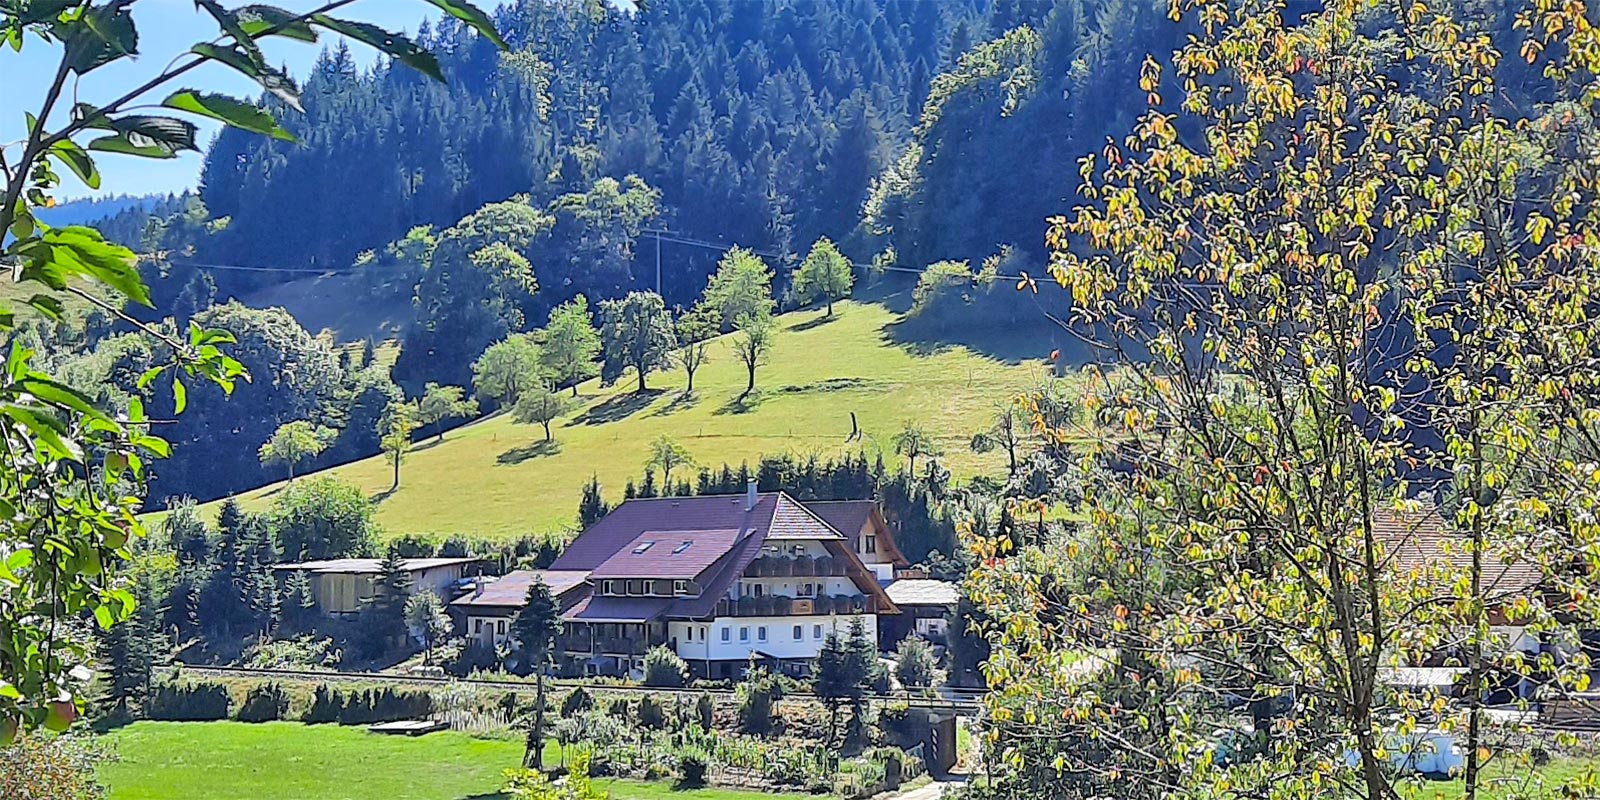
[[641, 379], [751, 385], [440, 437], [534, 758], [690, 389], [547, 430], [830, 307], [396, 472], [574, 388]]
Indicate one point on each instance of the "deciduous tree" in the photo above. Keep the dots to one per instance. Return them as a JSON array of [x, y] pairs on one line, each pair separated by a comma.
[[425, 616], [394, 431], [293, 443], [825, 274], [752, 343], [571, 344], [542, 405], [636, 332], [741, 286], [441, 403], [508, 368]]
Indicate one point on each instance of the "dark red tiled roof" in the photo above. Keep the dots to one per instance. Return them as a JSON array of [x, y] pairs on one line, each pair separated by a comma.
[[1420, 546], [847, 517], [680, 555], [607, 536], [595, 608], [512, 589]]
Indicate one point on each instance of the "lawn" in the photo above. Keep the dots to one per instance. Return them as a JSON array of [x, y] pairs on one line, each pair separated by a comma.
[[1504, 778], [290, 761], [500, 479]]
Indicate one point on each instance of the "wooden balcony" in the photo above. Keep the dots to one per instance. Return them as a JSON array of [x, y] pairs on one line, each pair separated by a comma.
[[785, 606], [800, 567]]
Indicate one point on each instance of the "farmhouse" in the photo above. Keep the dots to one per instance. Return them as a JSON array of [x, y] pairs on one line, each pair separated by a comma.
[[492, 605], [720, 579], [343, 585]]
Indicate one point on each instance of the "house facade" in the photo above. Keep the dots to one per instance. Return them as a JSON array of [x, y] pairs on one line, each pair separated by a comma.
[[342, 586], [488, 610], [719, 579]]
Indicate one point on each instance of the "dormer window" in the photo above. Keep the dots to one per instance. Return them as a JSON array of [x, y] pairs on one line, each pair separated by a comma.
[[680, 587], [682, 546], [642, 547], [608, 587], [870, 544]]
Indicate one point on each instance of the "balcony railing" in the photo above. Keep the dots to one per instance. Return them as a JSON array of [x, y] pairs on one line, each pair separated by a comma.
[[796, 566], [602, 645], [777, 605]]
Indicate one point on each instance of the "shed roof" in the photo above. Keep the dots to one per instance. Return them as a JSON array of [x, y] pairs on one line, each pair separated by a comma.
[[923, 592], [512, 588], [370, 566], [1420, 546], [597, 608]]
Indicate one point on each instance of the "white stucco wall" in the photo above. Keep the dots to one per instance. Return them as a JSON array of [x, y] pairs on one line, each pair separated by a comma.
[[703, 641]]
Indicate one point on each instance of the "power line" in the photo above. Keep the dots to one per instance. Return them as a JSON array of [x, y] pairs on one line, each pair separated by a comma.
[[243, 268], [664, 236]]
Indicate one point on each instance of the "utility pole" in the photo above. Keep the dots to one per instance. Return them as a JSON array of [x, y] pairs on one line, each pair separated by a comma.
[[658, 263]]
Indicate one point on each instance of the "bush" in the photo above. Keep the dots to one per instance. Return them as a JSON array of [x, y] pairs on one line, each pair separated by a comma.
[[367, 706], [577, 702], [662, 667], [619, 709], [264, 703], [188, 702], [705, 711], [693, 763], [651, 714], [914, 664], [757, 695]]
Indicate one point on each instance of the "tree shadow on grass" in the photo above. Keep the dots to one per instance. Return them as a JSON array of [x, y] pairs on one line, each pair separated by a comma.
[[539, 449], [814, 322], [741, 404], [378, 498], [617, 408], [683, 402]]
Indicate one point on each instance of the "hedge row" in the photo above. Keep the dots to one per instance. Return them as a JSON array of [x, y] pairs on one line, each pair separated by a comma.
[[195, 701]]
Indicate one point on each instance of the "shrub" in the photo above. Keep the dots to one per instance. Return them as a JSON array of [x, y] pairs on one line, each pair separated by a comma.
[[325, 704], [188, 702], [914, 664], [264, 703], [705, 711], [757, 695], [651, 714], [577, 702], [662, 667], [619, 709], [693, 764], [366, 706]]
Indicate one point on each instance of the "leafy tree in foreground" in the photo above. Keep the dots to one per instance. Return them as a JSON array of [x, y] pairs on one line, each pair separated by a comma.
[[1364, 396], [292, 443], [752, 343], [825, 274], [508, 368], [535, 628], [441, 403], [426, 617], [668, 454], [636, 332], [543, 405], [53, 432], [571, 343]]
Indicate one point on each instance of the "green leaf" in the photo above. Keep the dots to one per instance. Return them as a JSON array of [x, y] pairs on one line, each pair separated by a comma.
[[47, 305], [69, 153], [228, 110], [46, 431], [257, 20], [102, 616], [474, 17], [153, 137], [180, 395], [123, 144], [148, 377], [61, 395], [84, 251], [105, 34], [22, 225], [396, 45], [276, 83]]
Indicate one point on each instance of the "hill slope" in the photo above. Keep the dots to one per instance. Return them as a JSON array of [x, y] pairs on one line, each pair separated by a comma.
[[500, 479]]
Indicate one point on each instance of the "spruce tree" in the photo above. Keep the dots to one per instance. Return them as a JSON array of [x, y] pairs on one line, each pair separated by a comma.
[[592, 507], [536, 626]]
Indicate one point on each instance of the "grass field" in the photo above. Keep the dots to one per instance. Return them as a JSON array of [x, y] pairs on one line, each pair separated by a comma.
[[290, 761], [500, 479]]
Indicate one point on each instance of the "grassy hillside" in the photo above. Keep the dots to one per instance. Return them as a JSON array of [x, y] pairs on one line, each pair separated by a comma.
[[497, 478]]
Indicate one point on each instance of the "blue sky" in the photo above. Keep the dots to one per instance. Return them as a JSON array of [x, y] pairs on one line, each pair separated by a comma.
[[166, 29]]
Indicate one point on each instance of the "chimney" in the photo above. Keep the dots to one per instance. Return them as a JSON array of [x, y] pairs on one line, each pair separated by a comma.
[[750, 495]]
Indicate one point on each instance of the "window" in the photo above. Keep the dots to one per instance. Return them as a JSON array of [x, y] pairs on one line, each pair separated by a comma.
[[477, 626], [702, 633], [637, 587], [682, 546], [608, 587], [680, 587], [871, 544], [501, 626], [757, 590], [807, 590], [816, 631], [798, 550], [724, 633], [744, 633], [799, 633], [690, 633], [642, 547], [761, 633]]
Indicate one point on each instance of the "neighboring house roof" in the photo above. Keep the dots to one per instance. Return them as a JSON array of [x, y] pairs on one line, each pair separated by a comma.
[[725, 537], [668, 555], [1420, 545], [850, 517], [512, 588], [920, 592], [370, 566]]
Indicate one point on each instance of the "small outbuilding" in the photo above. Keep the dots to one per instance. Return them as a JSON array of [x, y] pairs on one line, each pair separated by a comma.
[[926, 607], [343, 586]]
